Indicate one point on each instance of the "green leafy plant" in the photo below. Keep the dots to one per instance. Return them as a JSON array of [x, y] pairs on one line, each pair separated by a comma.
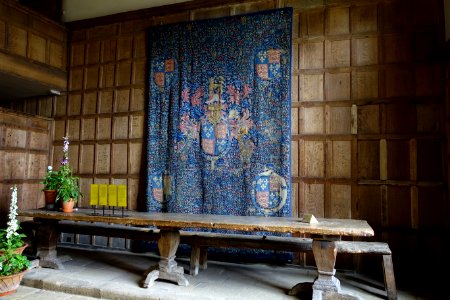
[[51, 179], [68, 187], [12, 262]]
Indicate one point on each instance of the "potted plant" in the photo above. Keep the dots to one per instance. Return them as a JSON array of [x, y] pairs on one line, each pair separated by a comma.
[[51, 183], [68, 190], [13, 265]]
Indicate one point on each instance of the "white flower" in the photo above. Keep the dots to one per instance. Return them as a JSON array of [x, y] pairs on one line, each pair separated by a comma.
[[13, 225], [49, 168]]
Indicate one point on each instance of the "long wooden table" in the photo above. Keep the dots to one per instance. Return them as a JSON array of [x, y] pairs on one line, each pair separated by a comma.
[[324, 234]]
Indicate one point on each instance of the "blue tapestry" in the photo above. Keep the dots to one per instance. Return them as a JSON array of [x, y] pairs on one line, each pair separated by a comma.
[[219, 128]]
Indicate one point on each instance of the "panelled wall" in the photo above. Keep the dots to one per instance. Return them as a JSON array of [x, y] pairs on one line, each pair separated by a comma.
[[24, 155], [368, 105]]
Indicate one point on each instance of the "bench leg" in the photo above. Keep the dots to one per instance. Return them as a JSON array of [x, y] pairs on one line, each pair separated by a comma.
[[199, 259], [203, 258], [389, 278], [167, 268], [195, 260]]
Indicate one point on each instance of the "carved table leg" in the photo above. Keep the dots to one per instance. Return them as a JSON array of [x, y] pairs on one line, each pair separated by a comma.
[[167, 268], [46, 241], [326, 285]]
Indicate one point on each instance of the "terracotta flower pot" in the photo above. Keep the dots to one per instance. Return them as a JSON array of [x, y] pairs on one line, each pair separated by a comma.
[[50, 198], [17, 250], [10, 283], [67, 206]]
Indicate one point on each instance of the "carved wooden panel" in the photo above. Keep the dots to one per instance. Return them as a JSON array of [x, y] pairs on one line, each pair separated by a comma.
[[37, 47]]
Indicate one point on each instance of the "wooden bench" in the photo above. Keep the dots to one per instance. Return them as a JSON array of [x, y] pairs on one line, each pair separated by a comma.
[[200, 241]]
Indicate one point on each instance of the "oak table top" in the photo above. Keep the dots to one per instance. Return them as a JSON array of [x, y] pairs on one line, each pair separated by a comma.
[[338, 227]]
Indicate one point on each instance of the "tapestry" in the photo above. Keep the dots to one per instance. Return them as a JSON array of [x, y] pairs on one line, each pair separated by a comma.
[[219, 128]]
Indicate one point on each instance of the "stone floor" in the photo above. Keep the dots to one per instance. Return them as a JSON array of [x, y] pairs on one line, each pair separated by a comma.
[[110, 275]]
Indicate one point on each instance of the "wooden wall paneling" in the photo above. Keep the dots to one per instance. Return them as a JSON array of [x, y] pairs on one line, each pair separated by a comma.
[[15, 138], [311, 87], [102, 31], [104, 128], [433, 207], [295, 89], [60, 129], [246, 8], [311, 55], [397, 48], [429, 118], [365, 84], [294, 120], [312, 199], [133, 193], [338, 119], [140, 45], [429, 80], [137, 102], [137, 124], [77, 54], [88, 129], [295, 158], [430, 166], [87, 159], [208, 13], [368, 119], [17, 40], [103, 158], [139, 72], [135, 158], [38, 141], [92, 77], [57, 155], [122, 103], [312, 159], [337, 53], [109, 50], [108, 78], [337, 86], [76, 79], [399, 210], [61, 106], [398, 82], [56, 55], [85, 187], [295, 200], [123, 73], [105, 102], [124, 47], [46, 106], [74, 159], [120, 127], [365, 51], [340, 202], [368, 160], [339, 161], [119, 158], [37, 47], [369, 204], [364, 18], [89, 103], [312, 120], [2, 34], [398, 153], [73, 129], [338, 20], [93, 52]]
